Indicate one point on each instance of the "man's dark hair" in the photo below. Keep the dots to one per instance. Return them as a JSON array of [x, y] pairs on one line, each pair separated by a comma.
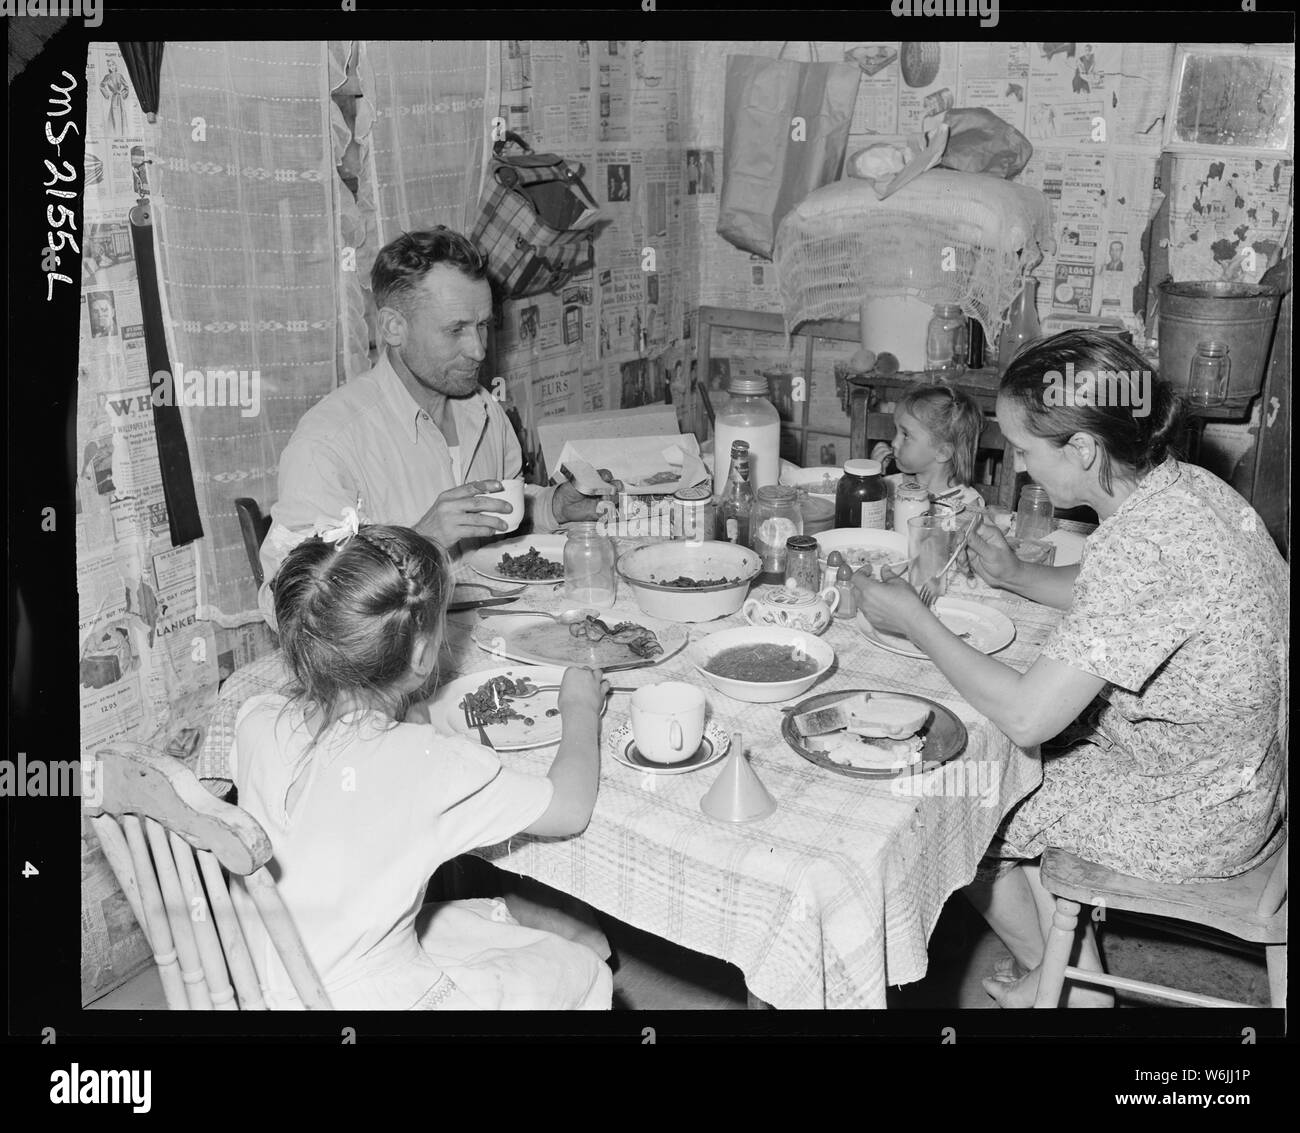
[[404, 262]]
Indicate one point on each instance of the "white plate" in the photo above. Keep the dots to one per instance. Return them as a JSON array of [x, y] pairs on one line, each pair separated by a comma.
[[485, 561], [541, 641], [872, 544], [989, 629], [620, 746], [514, 735]]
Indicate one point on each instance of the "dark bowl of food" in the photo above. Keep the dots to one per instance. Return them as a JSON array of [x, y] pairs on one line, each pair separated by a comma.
[[762, 664], [683, 581]]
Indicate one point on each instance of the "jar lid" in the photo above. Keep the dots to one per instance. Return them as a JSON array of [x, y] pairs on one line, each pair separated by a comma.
[[776, 492], [911, 492], [699, 492], [862, 467], [748, 387], [801, 543]]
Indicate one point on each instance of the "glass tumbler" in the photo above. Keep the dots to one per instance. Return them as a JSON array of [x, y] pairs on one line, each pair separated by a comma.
[[1034, 514], [931, 542]]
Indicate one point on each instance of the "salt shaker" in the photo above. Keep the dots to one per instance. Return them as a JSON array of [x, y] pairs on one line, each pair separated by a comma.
[[848, 604]]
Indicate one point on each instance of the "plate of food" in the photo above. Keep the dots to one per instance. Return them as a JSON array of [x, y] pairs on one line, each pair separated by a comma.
[[863, 547], [529, 560], [517, 717], [987, 629], [870, 734], [596, 641]]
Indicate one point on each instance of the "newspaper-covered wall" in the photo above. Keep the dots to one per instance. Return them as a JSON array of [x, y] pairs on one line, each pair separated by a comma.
[[147, 667], [610, 338], [1095, 115]]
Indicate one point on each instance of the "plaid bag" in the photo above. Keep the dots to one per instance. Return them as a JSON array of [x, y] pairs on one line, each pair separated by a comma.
[[525, 224]]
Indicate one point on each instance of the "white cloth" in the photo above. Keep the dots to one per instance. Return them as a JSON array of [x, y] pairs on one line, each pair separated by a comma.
[[358, 824], [370, 442]]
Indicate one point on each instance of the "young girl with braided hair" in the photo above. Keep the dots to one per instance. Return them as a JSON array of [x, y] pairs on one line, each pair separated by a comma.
[[363, 799]]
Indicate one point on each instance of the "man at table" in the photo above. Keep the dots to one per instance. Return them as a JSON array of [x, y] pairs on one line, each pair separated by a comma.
[[416, 441], [1162, 685]]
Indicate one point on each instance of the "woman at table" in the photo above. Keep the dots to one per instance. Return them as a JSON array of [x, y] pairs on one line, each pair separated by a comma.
[[1162, 683]]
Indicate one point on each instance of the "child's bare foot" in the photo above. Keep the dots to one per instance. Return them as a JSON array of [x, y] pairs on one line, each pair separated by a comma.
[[1009, 990]]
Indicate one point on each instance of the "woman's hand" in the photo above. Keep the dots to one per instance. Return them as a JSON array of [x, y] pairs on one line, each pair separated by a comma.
[[992, 557], [890, 605], [582, 692]]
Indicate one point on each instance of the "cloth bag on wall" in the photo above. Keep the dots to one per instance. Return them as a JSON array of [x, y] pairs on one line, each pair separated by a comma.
[[765, 170], [537, 222]]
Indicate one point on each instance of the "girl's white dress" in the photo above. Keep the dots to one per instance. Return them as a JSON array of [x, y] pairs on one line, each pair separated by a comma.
[[358, 825]]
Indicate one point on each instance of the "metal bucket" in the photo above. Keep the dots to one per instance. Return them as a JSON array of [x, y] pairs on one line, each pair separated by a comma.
[[1242, 315]]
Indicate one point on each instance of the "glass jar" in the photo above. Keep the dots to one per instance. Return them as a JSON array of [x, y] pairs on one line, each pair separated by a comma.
[[861, 499], [775, 518], [589, 578], [946, 342], [802, 570], [748, 416], [1207, 380], [1034, 513], [693, 515], [910, 500]]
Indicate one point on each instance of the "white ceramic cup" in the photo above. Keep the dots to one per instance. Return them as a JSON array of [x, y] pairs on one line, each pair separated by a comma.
[[668, 721], [512, 491]]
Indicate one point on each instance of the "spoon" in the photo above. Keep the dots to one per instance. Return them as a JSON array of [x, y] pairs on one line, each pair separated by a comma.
[[568, 618]]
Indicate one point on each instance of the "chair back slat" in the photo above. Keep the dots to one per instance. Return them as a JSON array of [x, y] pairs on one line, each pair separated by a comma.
[[201, 937], [233, 944], [288, 944], [178, 917], [155, 923], [211, 955]]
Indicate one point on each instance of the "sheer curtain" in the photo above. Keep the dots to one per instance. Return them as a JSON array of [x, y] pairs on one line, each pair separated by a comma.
[[432, 122], [248, 235]]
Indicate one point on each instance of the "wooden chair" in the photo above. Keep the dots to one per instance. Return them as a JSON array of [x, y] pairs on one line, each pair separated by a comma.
[[254, 526], [1249, 907], [167, 840]]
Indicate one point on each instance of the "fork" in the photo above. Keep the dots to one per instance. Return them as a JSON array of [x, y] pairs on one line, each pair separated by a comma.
[[533, 690], [929, 589], [474, 720]]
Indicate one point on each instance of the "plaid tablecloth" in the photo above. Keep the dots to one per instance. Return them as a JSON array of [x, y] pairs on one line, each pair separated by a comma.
[[823, 904]]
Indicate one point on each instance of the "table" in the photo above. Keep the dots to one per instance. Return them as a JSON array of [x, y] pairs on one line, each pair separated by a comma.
[[822, 905]]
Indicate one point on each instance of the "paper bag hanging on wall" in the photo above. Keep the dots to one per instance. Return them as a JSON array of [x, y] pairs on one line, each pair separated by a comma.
[[785, 134]]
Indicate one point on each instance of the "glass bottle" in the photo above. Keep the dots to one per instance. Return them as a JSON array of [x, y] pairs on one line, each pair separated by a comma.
[[774, 518], [748, 416], [861, 499], [910, 499], [737, 499], [1207, 380], [1021, 326], [946, 342], [589, 578]]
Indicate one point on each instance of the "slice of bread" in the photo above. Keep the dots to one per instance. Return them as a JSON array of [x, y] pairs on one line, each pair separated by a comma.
[[887, 717]]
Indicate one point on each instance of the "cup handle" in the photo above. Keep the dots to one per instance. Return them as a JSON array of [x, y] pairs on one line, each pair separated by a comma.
[[748, 608], [675, 738], [831, 596]]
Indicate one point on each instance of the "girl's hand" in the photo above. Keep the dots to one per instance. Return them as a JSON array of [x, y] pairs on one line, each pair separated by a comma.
[[582, 691], [890, 605], [992, 557]]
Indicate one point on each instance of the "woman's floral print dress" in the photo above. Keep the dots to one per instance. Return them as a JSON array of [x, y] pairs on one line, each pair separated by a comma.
[[1181, 604]]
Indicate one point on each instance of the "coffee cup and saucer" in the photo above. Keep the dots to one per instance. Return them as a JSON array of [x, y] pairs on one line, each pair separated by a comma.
[[668, 734]]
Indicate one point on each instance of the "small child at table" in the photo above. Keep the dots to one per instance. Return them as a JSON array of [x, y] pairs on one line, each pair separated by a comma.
[[937, 431], [363, 798]]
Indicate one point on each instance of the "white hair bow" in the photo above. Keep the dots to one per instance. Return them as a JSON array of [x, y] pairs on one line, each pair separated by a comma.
[[344, 531]]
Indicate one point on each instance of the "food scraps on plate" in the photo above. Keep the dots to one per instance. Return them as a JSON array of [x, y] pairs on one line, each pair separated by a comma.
[[868, 730], [643, 642], [532, 565]]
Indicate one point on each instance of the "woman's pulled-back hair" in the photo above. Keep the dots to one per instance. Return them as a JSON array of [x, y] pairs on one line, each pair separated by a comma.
[[1085, 381], [950, 417], [349, 614]]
